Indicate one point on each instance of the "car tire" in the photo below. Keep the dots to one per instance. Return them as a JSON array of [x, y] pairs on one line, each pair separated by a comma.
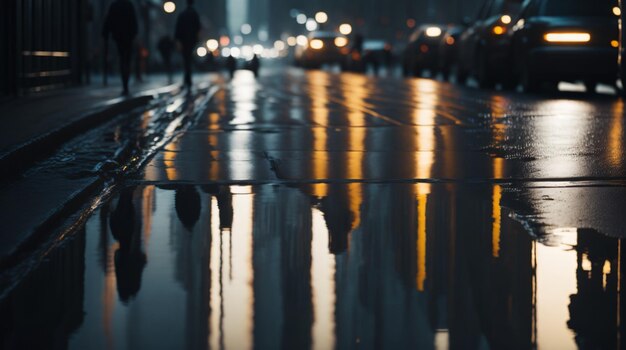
[[590, 86], [417, 71], [406, 72], [445, 74], [461, 76], [485, 81], [530, 83]]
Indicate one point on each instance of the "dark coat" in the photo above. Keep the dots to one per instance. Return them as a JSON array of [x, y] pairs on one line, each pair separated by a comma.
[[188, 27], [121, 22]]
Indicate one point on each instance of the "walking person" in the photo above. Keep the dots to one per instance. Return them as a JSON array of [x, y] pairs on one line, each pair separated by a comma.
[[187, 29], [231, 65], [255, 65], [121, 24]]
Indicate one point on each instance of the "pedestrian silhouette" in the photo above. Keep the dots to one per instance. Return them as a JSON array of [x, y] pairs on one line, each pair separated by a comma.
[[187, 29], [231, 65], [121, 24], [166, 46], [255, 64]]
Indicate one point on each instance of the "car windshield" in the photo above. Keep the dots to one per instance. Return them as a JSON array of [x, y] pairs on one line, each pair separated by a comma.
[[373, 45], [586, 8], [502, 7]]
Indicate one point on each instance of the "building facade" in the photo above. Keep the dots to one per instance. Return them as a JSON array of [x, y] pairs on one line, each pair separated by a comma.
[[43, 44]]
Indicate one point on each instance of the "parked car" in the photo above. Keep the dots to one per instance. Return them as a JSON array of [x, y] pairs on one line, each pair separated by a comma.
[[484, 47], [566, 40], [376, 53], [448, 50], [422, 49], [322, 48]]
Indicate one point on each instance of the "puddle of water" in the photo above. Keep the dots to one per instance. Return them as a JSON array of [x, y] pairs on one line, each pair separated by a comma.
[[359, 266]]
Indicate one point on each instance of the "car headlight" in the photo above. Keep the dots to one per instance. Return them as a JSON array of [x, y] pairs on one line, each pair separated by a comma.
[[341, 41], [316, 44], [433, 32], [567, 37]]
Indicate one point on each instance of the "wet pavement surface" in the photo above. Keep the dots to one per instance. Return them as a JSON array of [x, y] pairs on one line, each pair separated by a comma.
[[318, 210]]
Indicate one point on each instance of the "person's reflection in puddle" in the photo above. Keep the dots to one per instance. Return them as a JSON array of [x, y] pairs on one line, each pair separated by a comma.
[[336, 209], [187, 202], [593, 309], [225, 205], [130, 260]]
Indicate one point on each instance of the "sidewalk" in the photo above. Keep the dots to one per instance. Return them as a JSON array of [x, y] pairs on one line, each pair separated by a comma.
[[38, 203], [37, 124]]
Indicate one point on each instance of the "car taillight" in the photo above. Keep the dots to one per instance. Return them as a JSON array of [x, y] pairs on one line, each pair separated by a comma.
[[498, 30], [567, 37]]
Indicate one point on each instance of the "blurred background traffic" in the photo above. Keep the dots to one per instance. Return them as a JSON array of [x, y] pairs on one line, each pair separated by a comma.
[[531, 45]]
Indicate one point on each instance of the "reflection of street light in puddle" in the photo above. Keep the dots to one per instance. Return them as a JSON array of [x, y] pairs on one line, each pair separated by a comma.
[[169, 7]]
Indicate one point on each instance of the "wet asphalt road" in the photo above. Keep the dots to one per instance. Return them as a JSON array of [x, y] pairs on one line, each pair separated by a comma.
[[320, 210]]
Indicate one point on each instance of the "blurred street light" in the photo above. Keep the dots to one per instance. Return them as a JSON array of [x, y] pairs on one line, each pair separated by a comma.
[[224, 40], [235, 52], [340, 41], [212, 45], [345, 29], [201, 51], [247, 52], [292, 41], [302, 40], [301, 18], [279, 45], [264, 35], [246, 29], [311, 25], [169, 7], [321, 17]]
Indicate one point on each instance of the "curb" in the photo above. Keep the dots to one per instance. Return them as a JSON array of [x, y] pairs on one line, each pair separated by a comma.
[[77, 203], [76, 207], [13, 162]]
